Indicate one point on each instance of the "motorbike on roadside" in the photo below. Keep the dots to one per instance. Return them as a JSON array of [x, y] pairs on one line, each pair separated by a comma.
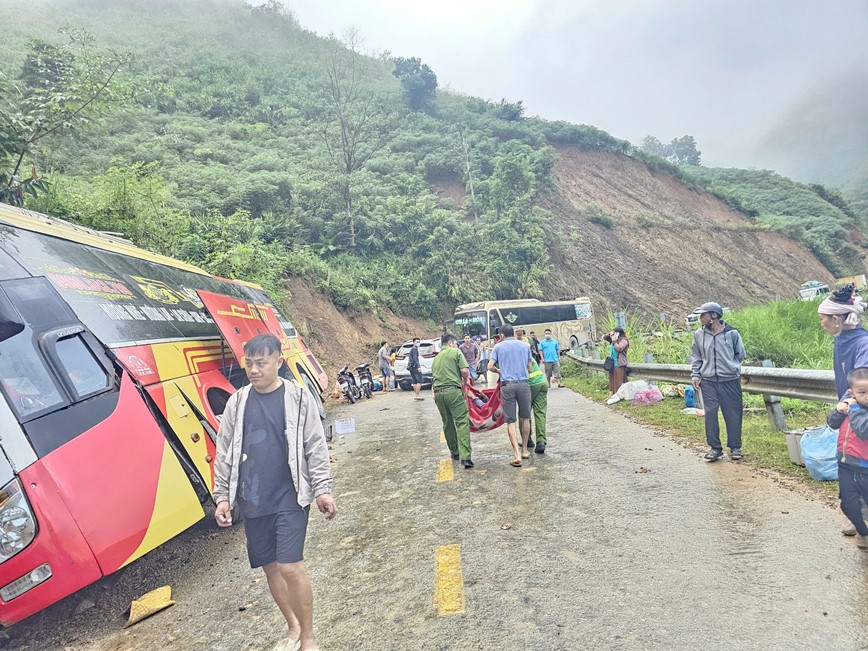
[[366, 379], [349, 386]]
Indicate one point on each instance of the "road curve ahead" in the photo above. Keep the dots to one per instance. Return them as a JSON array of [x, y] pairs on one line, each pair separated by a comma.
[[617, 538]]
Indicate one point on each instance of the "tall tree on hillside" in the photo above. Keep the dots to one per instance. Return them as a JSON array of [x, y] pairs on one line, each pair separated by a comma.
[[514, 235], [653, 146], [418, 80], [61, 89], [683, 151], [353, 122]]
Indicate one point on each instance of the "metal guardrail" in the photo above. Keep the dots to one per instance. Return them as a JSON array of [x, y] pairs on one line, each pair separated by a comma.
[[805, 384]]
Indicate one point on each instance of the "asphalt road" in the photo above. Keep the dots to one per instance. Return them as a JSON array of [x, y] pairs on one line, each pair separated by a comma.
[[617, 538]]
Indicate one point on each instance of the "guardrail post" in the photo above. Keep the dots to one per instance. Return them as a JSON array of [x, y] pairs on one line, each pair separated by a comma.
[[777, 420], [649, 358], [597, 354]]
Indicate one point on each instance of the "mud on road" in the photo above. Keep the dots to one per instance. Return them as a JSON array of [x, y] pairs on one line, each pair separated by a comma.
[[617, 538]]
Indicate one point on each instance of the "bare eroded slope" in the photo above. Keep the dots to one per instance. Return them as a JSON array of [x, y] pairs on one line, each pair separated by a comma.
[[668, 249]]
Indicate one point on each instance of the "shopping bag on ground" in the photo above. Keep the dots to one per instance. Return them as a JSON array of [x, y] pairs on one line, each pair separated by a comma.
[[647, 397], [819, 448], [630, 389]]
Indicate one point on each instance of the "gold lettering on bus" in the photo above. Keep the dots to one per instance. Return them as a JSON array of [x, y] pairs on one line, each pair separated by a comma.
[[159, 291]]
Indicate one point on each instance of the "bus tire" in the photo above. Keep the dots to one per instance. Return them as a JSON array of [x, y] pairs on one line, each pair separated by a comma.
[[574, 342]]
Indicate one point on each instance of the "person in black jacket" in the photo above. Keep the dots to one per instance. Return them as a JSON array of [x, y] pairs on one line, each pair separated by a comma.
[[415, 368]]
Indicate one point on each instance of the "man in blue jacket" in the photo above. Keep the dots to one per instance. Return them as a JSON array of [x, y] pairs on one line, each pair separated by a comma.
[[716, 354]]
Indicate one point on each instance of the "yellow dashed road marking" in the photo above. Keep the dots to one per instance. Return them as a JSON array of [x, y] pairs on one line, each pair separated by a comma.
[[444, 471], [448, 581]]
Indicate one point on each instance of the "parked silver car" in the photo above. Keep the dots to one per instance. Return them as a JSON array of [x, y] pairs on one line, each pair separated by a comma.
[[428, 349]]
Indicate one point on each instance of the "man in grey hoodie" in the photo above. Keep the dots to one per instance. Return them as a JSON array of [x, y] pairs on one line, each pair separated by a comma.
[[717, 353], [272, 460]]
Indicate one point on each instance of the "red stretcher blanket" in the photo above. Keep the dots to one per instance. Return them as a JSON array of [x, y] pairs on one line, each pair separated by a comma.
[[490, 415]]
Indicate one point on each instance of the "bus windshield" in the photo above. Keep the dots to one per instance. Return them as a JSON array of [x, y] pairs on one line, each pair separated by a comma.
[[471, 323]]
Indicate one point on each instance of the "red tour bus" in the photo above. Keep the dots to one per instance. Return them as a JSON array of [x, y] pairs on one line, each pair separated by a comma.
[[115, 366]]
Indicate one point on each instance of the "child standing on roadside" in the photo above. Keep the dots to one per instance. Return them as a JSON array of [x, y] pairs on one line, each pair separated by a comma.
[[850, 418]]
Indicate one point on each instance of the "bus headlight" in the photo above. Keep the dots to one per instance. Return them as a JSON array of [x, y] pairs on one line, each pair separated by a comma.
[[17, 524]]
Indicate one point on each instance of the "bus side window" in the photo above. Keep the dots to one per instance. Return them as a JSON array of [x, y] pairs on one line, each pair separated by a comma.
[[26, 381], [550, 314], [527, 315], [85, 373]]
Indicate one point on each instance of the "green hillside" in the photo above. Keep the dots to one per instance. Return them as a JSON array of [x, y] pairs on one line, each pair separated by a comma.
[[813, 214], [233, 138], [237, 140]]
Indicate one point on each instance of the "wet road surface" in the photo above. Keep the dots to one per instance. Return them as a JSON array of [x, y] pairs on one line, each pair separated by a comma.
[[617, 538]]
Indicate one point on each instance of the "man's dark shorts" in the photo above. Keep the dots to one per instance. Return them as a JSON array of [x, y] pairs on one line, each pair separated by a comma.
[[416, 376], [512, 393], [277, 537]]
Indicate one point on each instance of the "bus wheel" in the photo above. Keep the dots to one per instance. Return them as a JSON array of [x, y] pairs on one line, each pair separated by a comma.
[[574, 343], [316, 394]]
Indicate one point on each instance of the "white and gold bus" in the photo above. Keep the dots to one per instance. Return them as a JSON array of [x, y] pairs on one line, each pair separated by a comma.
[[571, 321]]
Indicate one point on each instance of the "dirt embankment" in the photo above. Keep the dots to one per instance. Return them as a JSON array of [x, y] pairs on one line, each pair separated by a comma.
[[339, 338], [668, 248]]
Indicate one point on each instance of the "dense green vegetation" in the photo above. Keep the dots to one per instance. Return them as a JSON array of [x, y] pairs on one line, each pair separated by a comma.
[[817, 216], [254, 148], [233, 138]]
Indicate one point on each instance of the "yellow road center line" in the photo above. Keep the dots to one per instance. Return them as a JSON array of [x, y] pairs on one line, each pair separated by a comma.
[[444, 470], [442, 437], [448, 581]]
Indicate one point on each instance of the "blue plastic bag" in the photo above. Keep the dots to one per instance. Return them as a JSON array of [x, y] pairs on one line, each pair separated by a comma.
[[819, 450], [689, 396]]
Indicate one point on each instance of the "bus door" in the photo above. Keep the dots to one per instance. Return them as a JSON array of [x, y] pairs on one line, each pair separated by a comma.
[[239, 320], [96, 441], [494, 323]]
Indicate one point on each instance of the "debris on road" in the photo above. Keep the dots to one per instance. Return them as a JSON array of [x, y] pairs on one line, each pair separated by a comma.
[[149, 604], [506, 526], [642, 469]]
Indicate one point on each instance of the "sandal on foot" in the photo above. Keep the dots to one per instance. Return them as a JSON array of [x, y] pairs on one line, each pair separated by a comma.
[[515, 463], [713, 455]]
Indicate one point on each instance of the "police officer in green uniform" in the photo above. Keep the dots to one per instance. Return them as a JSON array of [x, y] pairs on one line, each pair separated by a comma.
[[450, 373], [539, 398]]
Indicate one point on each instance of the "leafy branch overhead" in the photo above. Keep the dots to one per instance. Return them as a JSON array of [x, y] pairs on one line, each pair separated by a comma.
[[60, 89]]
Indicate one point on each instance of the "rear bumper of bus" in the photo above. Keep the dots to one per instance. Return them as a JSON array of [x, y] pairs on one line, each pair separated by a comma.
[[58, 544]]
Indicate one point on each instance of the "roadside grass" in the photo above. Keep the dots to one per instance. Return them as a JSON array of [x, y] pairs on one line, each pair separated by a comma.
[[787, 332], [763, 448]]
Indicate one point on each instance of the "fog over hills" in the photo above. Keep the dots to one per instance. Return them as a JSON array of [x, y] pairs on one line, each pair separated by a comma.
[[732, 74]]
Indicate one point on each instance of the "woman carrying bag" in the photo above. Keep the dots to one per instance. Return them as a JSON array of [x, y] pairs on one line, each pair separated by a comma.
[[616, 362]]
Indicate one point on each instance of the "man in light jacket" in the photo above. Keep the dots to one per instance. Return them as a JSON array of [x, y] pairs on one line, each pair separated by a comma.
[[272, 461], [717, 353]]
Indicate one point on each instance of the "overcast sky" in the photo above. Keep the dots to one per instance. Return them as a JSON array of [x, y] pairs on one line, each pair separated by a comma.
[[725, 72]]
